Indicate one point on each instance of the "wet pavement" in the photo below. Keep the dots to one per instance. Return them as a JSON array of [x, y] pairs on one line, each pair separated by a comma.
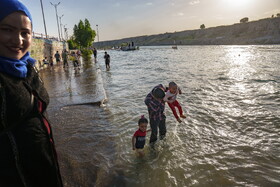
[[81, 125]]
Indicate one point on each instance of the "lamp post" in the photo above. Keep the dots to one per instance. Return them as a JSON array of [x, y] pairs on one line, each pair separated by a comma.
[[55, 6], [97, 33], [44, 19], [65, 32], [61, 33]]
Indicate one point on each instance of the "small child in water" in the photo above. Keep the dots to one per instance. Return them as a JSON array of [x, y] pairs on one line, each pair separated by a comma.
[[170, 97], [139, 137]]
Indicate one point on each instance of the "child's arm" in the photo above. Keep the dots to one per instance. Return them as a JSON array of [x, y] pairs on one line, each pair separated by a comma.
[[167, 96], [133, 142], [180, 91], [165, 99]]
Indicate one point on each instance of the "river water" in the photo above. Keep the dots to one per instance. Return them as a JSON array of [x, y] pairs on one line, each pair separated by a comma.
[[231, 97]]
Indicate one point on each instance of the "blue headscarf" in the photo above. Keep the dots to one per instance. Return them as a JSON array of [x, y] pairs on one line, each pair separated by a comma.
[[14, 67]]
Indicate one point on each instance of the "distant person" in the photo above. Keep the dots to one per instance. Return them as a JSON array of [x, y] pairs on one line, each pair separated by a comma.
[[107, 60], [139, 137], [51, 62], [65, 58], [170, 97], [76, 61], [79, 53], [95, 54], [156, 105], [57, 57], [45, 61], [27, 148]]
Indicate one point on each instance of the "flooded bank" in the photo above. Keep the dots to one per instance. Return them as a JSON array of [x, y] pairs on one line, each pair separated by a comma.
[[81, 126]]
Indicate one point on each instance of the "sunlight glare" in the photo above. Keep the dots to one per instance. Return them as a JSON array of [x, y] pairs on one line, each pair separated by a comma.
[[237, 3]]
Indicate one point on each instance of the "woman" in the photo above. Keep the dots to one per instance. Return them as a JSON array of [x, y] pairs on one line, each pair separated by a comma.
[[27, 152]]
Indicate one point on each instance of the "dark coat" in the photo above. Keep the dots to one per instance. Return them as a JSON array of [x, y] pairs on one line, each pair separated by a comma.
[[27, 152]]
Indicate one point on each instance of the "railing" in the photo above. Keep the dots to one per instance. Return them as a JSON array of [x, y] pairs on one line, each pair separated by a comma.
[[43, 36]]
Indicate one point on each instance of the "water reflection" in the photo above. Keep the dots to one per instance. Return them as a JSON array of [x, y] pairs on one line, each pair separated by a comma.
[[220, 95], [239, 62], [230, 136]]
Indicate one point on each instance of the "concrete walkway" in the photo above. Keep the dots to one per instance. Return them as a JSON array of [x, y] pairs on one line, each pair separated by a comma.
[[81, 127]]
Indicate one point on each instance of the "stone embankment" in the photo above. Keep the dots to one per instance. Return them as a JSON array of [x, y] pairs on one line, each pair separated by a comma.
[[42, 48], [265, 31]]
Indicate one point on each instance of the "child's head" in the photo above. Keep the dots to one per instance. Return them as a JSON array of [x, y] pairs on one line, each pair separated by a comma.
[[172, 87], [158, 93], [143, 123]]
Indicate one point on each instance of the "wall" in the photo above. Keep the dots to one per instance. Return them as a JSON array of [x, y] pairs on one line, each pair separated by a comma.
[[41, 48]]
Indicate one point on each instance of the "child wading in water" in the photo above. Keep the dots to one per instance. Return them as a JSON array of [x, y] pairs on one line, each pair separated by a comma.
[[139, 137], [170, 97]]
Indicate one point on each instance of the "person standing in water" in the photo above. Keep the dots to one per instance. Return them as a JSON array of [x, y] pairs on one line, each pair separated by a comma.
[[28, 156], [139, 137], [156, 106], [107, 60], [57, 57], [65, 58], [95, 54]]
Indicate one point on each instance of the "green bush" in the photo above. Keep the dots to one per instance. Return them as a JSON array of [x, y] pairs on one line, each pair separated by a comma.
[[86, 54]]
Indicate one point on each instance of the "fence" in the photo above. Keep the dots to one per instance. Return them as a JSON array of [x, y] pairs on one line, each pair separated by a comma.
[[43, 36]]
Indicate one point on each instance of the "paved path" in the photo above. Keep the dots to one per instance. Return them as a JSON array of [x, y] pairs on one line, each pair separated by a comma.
[[81, 127]]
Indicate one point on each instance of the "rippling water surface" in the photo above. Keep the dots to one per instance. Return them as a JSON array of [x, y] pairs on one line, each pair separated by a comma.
[[231, 97]]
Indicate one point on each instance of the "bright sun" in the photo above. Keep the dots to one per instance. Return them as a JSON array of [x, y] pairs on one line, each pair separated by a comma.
[[237, 3]]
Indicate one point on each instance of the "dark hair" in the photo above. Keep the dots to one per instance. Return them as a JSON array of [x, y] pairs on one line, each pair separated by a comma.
[[142, 120], [172, 84], [158, 93]]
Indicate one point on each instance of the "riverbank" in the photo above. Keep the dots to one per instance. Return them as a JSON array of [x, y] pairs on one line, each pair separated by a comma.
[[80, 124], [264, 31]]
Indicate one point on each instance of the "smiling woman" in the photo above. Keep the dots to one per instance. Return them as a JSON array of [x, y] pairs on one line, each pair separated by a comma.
[[28, 156], [15, 31]]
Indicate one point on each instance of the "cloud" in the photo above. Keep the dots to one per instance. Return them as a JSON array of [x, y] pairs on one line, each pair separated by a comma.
[[149, 4], [194, 2], [180, 14]]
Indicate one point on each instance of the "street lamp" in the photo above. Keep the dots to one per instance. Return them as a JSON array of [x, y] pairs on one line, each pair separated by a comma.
[[55, 6], [44, 19], [61, 33], [97, 33], [65, 32]]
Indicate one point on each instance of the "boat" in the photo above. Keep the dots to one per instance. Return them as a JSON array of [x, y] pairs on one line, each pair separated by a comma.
[[174, 46], [129, 47]]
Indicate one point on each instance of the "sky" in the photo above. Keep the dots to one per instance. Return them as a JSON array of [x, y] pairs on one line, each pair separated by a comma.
[[117, 19]]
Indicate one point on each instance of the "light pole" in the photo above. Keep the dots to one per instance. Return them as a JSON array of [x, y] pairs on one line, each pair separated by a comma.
[[55, 6], [65, 32], [44, 19], [61, 26], [97, 33]]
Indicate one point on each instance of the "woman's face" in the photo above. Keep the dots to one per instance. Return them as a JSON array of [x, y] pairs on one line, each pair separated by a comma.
[[15, 35]]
